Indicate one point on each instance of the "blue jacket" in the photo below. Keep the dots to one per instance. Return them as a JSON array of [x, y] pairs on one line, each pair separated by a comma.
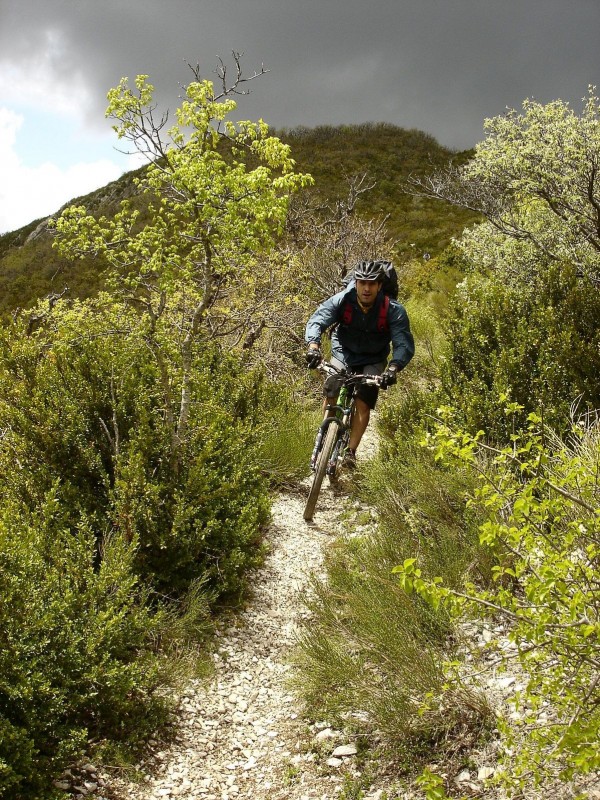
[[360, 342]]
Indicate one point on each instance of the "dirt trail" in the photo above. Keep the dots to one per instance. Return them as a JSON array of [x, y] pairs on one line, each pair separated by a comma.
[[243, 735]]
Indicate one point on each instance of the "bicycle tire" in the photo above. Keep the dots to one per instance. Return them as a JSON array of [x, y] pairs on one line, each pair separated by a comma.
[[321, 468]]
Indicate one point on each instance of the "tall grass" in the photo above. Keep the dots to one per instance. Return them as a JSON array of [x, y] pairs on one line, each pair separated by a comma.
[[287, 436], [371, 656]]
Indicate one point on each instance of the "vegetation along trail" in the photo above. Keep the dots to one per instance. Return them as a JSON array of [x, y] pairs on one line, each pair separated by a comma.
[[243, 735]]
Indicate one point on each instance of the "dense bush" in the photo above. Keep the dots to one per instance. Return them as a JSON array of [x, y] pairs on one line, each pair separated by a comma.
[[76, 659], [537, 344], [103, 545], [85, 408]]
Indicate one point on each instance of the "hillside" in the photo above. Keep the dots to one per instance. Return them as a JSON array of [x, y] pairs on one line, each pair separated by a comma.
[[30, 268], [388, 154]]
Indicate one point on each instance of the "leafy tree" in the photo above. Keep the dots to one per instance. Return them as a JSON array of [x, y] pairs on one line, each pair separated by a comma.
[[524, 320], [536, 180], [218, 196]]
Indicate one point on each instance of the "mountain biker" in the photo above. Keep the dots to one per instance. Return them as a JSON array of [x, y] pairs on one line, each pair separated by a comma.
[[366, 323]]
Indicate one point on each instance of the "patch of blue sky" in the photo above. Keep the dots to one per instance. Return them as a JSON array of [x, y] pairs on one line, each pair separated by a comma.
[[44, 137]]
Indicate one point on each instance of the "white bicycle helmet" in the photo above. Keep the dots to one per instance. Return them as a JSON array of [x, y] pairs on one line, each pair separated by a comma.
[[368, 271]]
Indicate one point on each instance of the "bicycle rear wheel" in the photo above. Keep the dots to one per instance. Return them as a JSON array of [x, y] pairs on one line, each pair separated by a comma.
[[321, 468]]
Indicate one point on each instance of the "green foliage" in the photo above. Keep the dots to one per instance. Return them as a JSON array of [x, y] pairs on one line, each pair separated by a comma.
[[540, 346], [435, 280], [366, 650], [85, 406], [412, 404], [540, 499], [536, 178], [209, 214], [524, 323], [194, 266], [421, 503], [76, 659], [92, 512], [287, 436], [432, 785]]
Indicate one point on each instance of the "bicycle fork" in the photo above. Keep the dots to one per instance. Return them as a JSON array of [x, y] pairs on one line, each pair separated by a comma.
[[316, 449], [319, 441], [335, 455]]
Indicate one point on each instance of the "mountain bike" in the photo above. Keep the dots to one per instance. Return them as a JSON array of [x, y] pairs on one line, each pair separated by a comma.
[[334, 432]]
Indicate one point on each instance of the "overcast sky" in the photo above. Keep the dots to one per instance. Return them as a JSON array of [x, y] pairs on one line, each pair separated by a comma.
[[442, 66]]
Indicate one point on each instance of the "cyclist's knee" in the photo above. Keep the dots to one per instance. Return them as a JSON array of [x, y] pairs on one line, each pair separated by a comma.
[[362, 407]]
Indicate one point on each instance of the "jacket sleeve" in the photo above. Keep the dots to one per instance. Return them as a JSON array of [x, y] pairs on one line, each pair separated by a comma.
[[403, 343], [324, 317]]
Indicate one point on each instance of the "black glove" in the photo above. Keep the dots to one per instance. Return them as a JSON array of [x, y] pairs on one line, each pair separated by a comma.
[[313, 358], [389, 377]]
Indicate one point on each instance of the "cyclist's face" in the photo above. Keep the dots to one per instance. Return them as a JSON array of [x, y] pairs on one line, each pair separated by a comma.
[[367, 292]]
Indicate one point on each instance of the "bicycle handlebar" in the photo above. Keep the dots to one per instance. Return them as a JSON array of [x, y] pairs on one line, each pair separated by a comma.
[[349, 377]]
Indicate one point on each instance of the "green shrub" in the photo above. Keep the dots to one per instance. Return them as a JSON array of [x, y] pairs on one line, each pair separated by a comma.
[[207, 522], [540, 345], [77, 659], [86, 407], [111, 558], [539, 503]]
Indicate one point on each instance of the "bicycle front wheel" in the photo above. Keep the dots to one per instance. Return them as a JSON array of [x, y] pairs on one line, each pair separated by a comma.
[[321, 468]]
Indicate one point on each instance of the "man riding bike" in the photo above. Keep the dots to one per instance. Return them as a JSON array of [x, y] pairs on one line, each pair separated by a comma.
[[366, 322]]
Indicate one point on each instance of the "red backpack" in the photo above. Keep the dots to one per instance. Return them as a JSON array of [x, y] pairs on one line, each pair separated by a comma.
[[382, 320]]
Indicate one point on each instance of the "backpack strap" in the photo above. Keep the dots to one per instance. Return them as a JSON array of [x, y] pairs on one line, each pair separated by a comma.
[[346, 316], [382, 320]]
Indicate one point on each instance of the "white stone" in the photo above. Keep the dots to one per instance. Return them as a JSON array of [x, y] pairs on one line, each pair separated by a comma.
[[345, 750], [326, 733], [504, 683], [484, 773]]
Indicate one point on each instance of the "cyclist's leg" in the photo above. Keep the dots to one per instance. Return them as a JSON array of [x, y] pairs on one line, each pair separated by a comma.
[[360, 421], [366, 399], [331, 387]]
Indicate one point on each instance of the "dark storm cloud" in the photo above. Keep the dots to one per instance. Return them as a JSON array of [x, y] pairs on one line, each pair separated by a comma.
[[437, 65]]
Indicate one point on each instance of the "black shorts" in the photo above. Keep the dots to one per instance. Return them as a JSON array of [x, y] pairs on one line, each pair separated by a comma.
[[368, 394]]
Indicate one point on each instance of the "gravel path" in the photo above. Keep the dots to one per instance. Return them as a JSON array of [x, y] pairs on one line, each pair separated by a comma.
[[243, 736]]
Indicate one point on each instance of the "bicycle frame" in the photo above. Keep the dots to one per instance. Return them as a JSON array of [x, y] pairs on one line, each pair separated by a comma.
[[330, 445], [340, 414]]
